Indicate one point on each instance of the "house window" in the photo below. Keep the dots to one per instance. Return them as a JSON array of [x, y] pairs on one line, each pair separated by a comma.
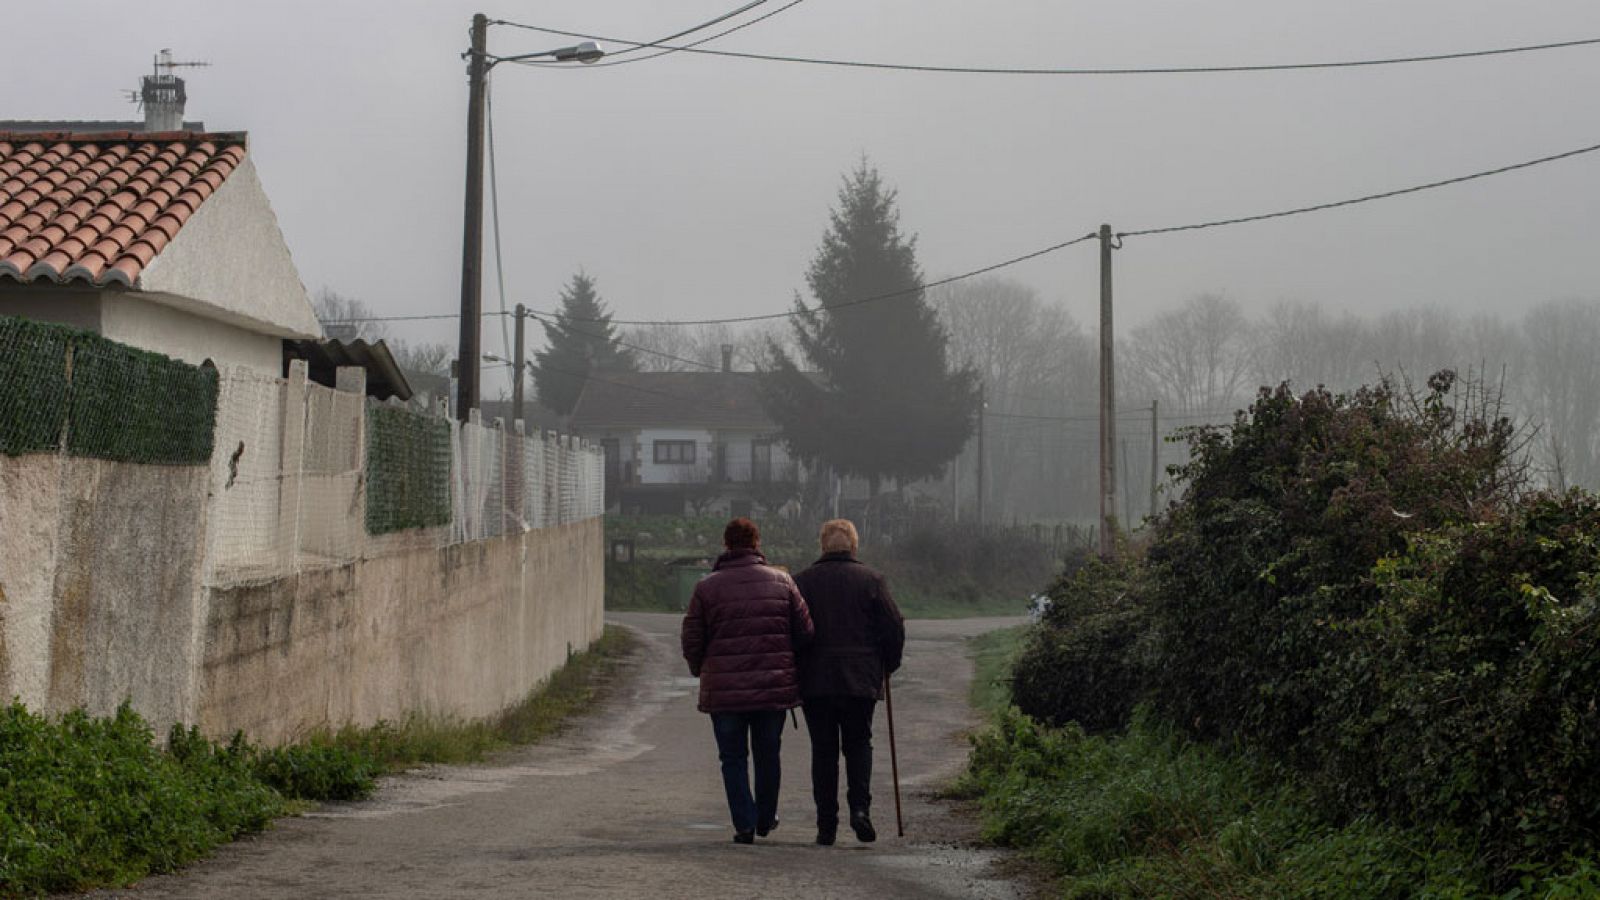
[[674, 452]]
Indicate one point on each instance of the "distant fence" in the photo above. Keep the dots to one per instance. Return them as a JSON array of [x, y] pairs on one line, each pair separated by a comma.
[[306, 476]]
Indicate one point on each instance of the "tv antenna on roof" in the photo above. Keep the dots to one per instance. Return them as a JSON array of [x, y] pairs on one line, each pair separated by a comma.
[[161, 85]]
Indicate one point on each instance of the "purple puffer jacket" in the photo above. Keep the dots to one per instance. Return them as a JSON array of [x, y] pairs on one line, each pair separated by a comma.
[[744, 624]]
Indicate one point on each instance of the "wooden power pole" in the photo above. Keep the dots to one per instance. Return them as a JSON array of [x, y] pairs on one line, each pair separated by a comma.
[[470, 356], [1155, 455], [1108, 404], [981, 480], [520, 365]]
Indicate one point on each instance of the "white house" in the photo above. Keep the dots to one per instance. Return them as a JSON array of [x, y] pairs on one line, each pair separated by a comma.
[[164, 241], [677, 438]]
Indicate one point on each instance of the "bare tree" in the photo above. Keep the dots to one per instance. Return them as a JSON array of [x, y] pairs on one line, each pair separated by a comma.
[[1038, 369], [346, 318], [1196, 358], [1561, 385]]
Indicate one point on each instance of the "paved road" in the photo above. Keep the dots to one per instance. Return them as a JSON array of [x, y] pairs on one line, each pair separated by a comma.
[[629, 803]]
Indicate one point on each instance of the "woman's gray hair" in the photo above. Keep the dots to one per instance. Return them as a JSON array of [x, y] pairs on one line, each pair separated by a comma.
[[839, 536]]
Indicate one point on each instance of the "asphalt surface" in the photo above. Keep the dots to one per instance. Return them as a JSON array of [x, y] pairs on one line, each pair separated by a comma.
[[629, 803]]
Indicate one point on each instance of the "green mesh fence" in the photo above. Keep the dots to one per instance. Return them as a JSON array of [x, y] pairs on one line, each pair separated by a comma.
[[61, 388], [408, 470]]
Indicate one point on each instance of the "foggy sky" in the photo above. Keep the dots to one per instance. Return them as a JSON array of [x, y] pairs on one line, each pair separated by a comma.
[[694, 186]]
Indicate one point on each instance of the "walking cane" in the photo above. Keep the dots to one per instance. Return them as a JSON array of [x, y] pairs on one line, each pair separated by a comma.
[[894, 757]]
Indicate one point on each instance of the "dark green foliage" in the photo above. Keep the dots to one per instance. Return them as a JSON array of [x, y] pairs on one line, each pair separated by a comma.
[[1473, 698], [317, 771], [1090, 660], [110, 400], [887, 406], [581, 340], [33, 386], [1150, 813], [1268, 558], [408, 470], [86, 802]]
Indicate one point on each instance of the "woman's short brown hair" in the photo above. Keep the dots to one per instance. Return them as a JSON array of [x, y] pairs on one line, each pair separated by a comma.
[[741, 534], [839, 536]]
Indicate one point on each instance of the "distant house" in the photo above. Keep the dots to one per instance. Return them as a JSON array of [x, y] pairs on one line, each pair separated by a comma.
[[685, 440], [164, 241]]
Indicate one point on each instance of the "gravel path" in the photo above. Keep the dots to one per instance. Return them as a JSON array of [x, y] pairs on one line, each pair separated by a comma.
[[628, 803]]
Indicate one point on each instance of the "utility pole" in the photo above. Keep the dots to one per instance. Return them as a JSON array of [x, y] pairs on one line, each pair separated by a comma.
[[472, 230], [981, 479], [1127, 495], [1108, 404], [519, 366], [1155, 455]]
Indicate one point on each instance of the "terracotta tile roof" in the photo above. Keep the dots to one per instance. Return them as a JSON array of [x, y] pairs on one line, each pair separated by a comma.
[[99, 207]]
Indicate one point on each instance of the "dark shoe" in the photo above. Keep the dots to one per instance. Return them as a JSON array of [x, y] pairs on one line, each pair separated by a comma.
[[768, 828], [744, 837], [826, 834], [862, 826]]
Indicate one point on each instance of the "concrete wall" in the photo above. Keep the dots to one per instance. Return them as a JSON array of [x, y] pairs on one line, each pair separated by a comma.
[[101, 600], [99, 584], [71, 305], [465, 630]]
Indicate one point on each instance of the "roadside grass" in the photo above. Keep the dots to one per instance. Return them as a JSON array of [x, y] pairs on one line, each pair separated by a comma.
[[93, 802], [1149, 813], [993, 654]]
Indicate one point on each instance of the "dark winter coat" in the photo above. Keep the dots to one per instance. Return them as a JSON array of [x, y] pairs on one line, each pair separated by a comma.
[[746, 620], [860, 632]]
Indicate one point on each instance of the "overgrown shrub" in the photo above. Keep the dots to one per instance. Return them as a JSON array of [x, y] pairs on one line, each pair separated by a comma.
[[1261, 568], [1473, 699], [1089, 660]]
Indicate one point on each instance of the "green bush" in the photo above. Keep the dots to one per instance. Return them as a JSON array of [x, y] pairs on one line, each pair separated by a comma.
[[87, 802], [317, 771], [1090, 659], [1473, 701], [1261, 567]]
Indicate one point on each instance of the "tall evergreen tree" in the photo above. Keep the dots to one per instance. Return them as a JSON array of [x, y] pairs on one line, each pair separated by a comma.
[[581, 340], [870, 392]]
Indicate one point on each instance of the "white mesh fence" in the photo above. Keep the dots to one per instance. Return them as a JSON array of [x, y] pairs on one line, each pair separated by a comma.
[[290, 480]]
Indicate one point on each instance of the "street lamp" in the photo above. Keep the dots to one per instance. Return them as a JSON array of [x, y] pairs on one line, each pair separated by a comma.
[[478, 66]]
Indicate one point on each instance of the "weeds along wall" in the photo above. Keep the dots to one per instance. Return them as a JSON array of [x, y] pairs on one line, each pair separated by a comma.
[[150, 509]]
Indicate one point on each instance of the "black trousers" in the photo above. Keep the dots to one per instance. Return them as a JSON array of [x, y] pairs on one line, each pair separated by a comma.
[[835, 724]]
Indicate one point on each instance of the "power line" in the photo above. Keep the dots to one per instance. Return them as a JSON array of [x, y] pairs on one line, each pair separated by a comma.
[[670, 50], [890, 295], [805, 311], [1370, 197], [1141, 70]]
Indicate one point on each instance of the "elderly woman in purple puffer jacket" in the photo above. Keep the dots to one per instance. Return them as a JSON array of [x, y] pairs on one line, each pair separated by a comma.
[[745, 623]]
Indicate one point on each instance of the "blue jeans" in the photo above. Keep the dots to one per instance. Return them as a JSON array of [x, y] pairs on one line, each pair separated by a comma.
[[740, 735]]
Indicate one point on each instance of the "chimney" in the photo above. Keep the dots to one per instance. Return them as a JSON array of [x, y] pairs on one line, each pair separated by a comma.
[[727, 357], [163, 96]]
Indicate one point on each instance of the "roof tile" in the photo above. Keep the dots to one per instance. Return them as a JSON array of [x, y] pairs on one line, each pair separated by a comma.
[[99, 207]]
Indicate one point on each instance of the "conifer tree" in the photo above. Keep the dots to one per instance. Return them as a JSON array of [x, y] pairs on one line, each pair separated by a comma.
[[870, 392], [581, 340]]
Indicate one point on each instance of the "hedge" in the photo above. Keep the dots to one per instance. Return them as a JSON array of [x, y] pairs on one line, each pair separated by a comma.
[[66, 389], [408, 470]]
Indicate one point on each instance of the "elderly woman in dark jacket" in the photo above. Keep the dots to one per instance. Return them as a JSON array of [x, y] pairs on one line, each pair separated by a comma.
[[746, 620], [860, 636]]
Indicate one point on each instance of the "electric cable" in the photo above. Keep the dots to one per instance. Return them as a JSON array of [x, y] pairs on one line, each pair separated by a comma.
[[1135, 70], [1366, 199], [609, 62]]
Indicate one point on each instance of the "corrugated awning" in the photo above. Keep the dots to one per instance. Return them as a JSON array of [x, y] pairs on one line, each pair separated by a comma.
[[325, 358]]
